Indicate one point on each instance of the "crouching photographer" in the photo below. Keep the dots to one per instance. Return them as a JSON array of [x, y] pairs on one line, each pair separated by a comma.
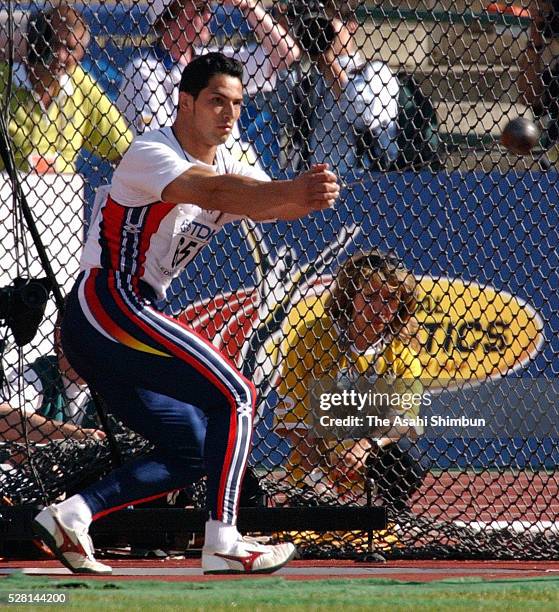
[[364, 329]]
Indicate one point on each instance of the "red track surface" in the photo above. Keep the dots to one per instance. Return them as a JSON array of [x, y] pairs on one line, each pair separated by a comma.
[[420, 571], [490, 496], [486, 497]]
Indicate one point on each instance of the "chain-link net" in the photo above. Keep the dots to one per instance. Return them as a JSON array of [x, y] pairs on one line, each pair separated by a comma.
[[431, 285]]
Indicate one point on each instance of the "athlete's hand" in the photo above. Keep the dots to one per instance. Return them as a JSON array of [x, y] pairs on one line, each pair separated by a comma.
[[316, 189]]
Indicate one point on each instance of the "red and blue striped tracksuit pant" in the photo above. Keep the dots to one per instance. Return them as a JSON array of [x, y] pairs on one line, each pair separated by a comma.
[[164, 381]]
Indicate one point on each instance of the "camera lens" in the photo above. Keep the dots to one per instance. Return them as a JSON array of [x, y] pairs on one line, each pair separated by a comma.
[[34, 295], [315, 34]]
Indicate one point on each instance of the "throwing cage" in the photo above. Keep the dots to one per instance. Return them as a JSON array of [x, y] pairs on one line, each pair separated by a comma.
[[475, 225]]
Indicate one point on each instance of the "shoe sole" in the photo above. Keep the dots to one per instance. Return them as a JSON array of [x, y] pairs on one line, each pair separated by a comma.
[[46, 536], [268, 570]]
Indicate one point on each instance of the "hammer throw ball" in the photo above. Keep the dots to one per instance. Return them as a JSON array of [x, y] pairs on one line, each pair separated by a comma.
[[520, 136]]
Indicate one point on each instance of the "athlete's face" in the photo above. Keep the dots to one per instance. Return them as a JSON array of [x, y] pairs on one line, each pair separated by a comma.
[[216, 109], [374, 307]]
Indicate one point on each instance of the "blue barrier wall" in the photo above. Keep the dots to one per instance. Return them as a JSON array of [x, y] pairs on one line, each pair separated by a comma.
[[499, 229], [496, 229]]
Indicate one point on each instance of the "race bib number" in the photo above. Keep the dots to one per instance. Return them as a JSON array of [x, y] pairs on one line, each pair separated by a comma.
[[191, 238], [185, 250]]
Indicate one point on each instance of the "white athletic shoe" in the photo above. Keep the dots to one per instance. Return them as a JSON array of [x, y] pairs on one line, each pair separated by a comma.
[[73, 547], [247, 556]]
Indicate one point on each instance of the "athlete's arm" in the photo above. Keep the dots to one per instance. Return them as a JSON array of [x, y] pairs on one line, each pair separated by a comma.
[[316, 189]]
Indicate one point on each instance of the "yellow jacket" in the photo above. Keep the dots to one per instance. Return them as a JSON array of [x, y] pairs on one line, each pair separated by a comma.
[[81, 115], [311, 351]]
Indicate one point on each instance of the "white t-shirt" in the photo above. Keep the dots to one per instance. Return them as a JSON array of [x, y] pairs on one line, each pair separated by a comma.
[[135, 232]]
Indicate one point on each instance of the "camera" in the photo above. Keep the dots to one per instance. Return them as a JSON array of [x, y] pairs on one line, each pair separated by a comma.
[[22, 306], [312, 27], [40, 38]]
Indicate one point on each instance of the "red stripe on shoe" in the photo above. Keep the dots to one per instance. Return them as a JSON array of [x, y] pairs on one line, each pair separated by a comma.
[[247, 561], [67, 544]]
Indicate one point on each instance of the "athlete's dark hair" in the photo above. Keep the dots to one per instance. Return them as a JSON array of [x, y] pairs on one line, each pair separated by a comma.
[[200, 70]]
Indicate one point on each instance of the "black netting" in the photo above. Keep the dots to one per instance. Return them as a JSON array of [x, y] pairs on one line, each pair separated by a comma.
[[407, 102]]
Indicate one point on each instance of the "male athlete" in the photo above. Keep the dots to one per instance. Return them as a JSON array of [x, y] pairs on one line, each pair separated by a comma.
[[157, 375]]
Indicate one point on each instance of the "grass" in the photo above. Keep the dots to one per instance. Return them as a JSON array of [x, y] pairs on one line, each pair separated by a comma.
[[278, 593]]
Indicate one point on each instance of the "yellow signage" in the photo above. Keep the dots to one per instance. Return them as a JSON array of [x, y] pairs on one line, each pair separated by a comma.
[[470, 332]]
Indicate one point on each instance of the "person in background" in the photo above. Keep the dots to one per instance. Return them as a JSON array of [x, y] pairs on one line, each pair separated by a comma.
[[332, 96], [541, 50], [51, 397], [364, 327], [56, 108], [148, 94], [47, 402], [538, 79]]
